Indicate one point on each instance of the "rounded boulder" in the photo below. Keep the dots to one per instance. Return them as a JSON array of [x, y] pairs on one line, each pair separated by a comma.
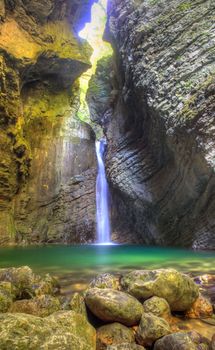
[[114, 306]]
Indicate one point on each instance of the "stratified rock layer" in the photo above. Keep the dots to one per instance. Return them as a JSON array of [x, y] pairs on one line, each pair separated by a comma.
[[160, 128]]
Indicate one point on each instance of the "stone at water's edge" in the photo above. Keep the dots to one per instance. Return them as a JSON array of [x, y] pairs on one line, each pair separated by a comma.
[[151, 328], [182, 341], [114, 306], [178, 289], [113, 334], [63, 330]]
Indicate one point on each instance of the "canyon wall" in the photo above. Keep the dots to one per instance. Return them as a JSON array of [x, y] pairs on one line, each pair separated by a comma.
[[160, 121], [47, 156]]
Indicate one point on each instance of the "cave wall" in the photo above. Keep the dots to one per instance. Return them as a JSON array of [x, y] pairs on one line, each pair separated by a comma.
[[47, 156], [160, 121]]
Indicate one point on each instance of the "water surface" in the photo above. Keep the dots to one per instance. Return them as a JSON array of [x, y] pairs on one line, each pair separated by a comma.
[[76, 265]]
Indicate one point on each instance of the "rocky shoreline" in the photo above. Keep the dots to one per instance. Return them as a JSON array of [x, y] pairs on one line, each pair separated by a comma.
[[143, 309]]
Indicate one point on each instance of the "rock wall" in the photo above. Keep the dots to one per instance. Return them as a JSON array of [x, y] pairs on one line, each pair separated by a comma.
[[160, 124], [43, 148]]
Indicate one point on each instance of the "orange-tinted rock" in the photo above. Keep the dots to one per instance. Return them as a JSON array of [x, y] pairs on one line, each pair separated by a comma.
[[201, 308]]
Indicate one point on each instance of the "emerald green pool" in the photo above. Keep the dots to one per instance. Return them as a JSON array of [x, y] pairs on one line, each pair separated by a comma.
[[76, 265]]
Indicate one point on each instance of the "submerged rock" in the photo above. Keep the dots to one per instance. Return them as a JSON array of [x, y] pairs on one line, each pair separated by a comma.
[[178, 289], [41, 306], [62, 330], [182, 341], [113, 334], [151, 328], [105, 280], [114, 306]]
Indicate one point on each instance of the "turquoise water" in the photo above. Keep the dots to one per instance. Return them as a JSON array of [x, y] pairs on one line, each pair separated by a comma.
[[76, 265]]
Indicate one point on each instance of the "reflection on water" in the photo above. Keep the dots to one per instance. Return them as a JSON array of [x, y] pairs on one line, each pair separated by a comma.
[[76, 265]]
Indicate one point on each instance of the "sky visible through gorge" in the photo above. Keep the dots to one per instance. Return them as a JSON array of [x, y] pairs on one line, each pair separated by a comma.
[[93, 33]]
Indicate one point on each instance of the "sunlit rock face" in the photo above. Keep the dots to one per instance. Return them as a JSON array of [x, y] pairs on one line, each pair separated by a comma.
[[160, 133], [42, 146]]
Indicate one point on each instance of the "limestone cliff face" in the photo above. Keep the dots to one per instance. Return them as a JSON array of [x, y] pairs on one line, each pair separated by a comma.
[[161, 159], [43, 148]]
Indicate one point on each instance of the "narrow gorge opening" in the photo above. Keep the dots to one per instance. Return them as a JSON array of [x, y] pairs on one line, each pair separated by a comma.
[[93, 34]]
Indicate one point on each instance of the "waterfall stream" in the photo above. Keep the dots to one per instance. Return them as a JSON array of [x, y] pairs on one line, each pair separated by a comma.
[[102, 194]]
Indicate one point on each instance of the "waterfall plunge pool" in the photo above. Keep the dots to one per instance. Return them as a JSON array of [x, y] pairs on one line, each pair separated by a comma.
[[76, 265]]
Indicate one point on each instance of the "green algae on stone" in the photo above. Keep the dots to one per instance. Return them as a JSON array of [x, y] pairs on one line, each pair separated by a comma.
[[63, 330]]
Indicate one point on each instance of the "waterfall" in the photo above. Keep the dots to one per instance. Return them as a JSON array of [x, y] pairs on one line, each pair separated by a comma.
[[102, 194]]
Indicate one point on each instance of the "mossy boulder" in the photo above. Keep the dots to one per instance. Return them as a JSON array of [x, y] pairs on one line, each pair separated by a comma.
[[178, 289], [105, 280], [183, 341], [41, 306], [63, 330], [150, 329], [114, 306], [158, 307], [113, 334]]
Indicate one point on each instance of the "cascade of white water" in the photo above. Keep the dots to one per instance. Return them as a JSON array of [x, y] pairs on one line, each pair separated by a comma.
[[102, 209]]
